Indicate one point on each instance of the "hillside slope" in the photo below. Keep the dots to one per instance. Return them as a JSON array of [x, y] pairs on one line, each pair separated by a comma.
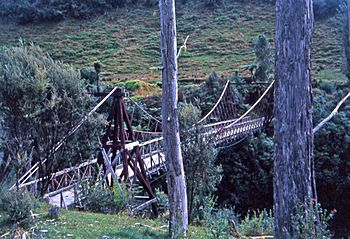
[[126, 41]]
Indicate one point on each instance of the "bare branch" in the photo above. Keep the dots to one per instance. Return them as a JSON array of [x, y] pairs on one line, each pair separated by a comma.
[[334, 112], [184, 46]]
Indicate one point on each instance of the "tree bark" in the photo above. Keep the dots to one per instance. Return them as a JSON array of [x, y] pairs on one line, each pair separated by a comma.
[[178, 222], [293, 111], [348, 22]]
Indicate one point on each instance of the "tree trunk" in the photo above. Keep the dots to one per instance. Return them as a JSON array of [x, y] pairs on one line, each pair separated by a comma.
[[293, 111], [348, 22], [178, 222]]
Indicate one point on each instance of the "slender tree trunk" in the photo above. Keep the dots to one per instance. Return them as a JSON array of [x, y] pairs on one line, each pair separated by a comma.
[[178, 222], [293, 111]]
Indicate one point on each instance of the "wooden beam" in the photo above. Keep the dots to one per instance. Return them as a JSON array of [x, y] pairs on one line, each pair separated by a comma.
[[144, 205]]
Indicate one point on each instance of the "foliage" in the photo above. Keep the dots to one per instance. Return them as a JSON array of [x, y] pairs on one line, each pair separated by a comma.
[[263, 60], [326, 8], [121, 196], [328, 87], [257, 224], [311, 221], [41, 100], [205, 95], [202, 173], [18, 206], [218, 223], [103, 199], [27, 11], [162, 201], [332, 159], [100, 199], [247, 181], [212, 3]]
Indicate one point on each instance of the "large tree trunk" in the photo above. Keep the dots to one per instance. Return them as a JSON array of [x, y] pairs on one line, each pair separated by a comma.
[[348, 22], [178, 222], [293, 111]]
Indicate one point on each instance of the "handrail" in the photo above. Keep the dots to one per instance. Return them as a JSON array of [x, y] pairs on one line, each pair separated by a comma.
[[251, 108]]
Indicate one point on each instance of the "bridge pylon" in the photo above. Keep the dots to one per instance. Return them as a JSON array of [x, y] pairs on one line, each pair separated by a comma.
[[119, 145]]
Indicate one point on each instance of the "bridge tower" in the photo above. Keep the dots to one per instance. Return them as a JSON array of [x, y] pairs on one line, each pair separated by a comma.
[[119, 145]]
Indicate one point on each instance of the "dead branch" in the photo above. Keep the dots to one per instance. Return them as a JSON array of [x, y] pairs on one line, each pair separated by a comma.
[[334, 112], [152, 228], [184, 46]]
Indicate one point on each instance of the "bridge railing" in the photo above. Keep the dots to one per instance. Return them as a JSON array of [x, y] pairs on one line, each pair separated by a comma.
[[152, 155], [65, 177], [251, 121]]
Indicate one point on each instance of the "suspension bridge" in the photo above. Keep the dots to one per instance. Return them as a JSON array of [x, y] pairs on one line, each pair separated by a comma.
[[134, 156]]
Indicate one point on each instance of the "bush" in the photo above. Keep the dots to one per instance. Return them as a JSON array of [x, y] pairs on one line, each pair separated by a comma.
[[40, 101], [218, 223], [248, 173], [311, 221], [326, 8], [27, 11], [100, 199], [162, 200], [107, 200], [328, 87], [257, 224], [18, 206], [263, 59], [332, 158], [202, 173]]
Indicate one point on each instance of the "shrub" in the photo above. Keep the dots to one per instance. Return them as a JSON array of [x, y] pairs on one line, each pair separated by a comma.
[[325, 8], [247, 181], [103, 199], [18, 206], [100, 199], [332, 158], [328, 87], [202, 173], [257, 224], [162, 200], [40, 101], [263, 59], [218, 223], [27, 11], [311, 221]]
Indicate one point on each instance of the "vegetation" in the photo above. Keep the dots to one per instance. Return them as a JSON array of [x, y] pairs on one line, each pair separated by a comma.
[[100, 198], [129, 53], [127, 42], [201, 170], [306, 216], [41, 100], [79, 224], [17, 206]]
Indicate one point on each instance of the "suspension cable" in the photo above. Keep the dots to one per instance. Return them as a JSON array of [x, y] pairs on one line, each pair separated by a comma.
[[217, 103]]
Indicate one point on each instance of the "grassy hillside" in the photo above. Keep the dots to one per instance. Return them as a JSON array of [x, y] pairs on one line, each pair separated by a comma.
[[79, 225], [126, 41]]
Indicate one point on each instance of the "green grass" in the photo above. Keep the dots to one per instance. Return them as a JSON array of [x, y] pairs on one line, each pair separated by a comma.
[[127, 42], [331, 75], [79, 225]]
